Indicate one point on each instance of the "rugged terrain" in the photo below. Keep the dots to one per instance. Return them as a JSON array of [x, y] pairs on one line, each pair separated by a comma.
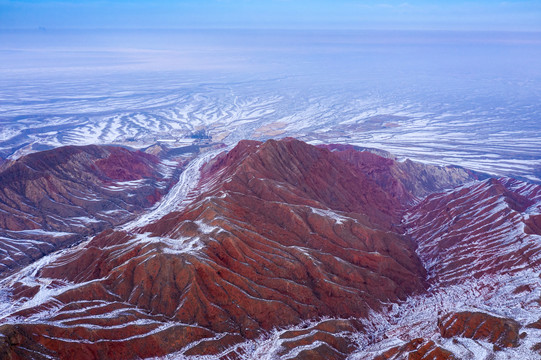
[[53, 199], [286, 250]]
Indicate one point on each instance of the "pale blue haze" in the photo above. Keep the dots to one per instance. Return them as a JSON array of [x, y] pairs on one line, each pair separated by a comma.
[[446, 82], [523, 15]]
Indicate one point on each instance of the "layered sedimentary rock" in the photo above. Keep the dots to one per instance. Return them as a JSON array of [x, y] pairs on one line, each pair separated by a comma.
[[417, 349], [489, 227], [481, 246], [501, 332], [52, 199], [293, 251], [283, 232], [407, 181]]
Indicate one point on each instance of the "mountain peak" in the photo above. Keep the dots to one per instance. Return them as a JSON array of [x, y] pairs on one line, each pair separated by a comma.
[[281, 236]]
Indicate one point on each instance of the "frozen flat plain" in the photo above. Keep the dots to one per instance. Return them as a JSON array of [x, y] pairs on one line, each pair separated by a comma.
[[470, 99]]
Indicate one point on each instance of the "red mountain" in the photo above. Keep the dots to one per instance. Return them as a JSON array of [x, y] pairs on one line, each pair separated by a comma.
[[53, 199], [406, 181], [286, 250], [480, 244], [478, 230]]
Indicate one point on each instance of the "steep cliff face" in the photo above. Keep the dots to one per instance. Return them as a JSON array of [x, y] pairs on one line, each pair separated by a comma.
[[52, 199]]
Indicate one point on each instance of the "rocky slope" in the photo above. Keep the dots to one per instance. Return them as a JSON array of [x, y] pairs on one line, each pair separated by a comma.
[[282, 250], [486, 228], [481, 247], [53, 199], [282, 232], [407, 181]]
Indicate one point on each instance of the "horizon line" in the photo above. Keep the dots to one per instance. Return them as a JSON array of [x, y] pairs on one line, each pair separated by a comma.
[[45, 29]]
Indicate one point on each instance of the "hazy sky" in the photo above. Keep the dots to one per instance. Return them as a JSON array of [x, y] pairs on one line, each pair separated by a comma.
[[341, 14]]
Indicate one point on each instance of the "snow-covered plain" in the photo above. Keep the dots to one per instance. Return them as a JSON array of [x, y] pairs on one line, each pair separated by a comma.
[[469, 99]]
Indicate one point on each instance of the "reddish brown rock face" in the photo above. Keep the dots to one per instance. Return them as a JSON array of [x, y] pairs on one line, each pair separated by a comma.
[[533, 224], [274, 234], [477, 230], [503, 333], [330, 334], [306, 176], [417, 349], [52, 199], [124, 165], [282, 232], [407, 180]]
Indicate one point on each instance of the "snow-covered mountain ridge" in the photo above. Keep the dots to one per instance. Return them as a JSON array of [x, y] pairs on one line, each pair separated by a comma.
[[283, 250]]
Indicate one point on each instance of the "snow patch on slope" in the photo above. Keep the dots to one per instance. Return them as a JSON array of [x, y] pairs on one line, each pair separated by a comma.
[[177, 197]]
